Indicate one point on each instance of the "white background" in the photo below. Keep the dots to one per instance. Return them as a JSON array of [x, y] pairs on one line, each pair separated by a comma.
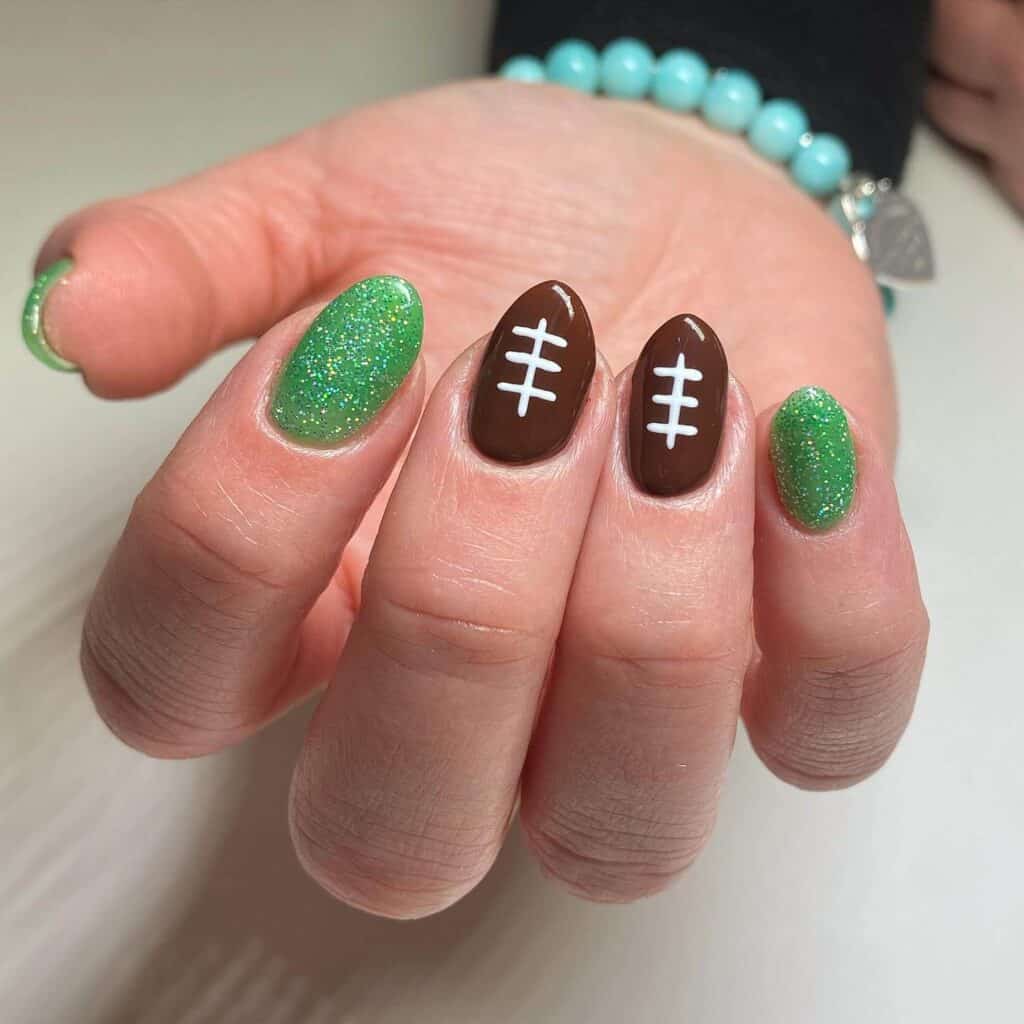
[[137, 892]]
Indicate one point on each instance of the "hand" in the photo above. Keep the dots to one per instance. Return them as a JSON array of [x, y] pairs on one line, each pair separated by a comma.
[[235, 589], [976, 91]]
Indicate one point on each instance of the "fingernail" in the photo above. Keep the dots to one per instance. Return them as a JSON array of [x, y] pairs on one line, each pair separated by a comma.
[[814, 458], [677, 407], [534, 376], [350, 361], [32, 317]]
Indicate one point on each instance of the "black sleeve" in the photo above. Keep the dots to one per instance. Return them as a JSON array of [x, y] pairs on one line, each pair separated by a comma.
[[856, 66]]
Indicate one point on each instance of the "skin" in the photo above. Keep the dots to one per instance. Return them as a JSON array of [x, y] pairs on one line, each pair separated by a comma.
[[976, 90], [541, 633]]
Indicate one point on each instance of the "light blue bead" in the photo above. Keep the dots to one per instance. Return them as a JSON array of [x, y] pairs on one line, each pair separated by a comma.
[[627, 69], [523, 69], [819, 166], [574, 63], [776, 130], [732, 100], [680, 80]]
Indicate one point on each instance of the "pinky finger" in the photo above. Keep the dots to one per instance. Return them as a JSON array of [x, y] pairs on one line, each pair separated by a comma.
[[840, 622], [965, 116]]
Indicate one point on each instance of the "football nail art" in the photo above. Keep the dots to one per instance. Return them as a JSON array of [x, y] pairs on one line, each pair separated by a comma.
[[534, 376], [677, 407]]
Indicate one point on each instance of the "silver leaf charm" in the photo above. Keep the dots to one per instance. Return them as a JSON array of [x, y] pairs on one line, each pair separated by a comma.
[[894, 241]]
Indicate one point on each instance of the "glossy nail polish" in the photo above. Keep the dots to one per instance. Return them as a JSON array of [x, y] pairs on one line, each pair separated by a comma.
[[814, 458], [350, 361], [677, 407], [32, 317], [534, 376]]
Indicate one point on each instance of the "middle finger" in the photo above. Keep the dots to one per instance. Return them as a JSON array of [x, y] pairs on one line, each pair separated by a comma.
[[410, 771]]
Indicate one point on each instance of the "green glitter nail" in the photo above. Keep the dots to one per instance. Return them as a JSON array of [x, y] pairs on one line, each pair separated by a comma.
[[814, 459], [32, 317], [348, 364]]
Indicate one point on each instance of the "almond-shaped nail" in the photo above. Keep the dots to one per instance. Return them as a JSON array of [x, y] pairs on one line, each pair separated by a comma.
[[32, 318], [534, 376], [814, 458], [677, 407], [350, 361]]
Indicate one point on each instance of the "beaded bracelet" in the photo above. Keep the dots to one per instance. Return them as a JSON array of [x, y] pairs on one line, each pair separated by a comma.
[[887, 231]]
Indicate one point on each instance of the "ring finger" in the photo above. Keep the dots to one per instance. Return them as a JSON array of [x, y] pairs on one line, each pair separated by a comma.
[[627, 762]]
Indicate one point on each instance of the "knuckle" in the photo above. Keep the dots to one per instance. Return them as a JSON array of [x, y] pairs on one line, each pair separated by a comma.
[[149, 229], [207, 552], [381, 867], [856, 686], [613, 857], [848, 716], [141, 706], [707, 654], [166, 641], [445, 628]]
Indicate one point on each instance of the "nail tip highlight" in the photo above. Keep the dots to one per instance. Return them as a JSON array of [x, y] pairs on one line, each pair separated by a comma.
[[32, 331]]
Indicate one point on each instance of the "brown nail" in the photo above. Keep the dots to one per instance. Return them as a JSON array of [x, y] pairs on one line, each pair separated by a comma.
[[534, 376], [677, 407]]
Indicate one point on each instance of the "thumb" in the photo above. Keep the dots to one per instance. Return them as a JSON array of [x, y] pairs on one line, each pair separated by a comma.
[[145, 288]]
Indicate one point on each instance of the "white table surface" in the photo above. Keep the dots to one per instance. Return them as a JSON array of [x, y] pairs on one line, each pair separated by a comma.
[[140, 892]]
